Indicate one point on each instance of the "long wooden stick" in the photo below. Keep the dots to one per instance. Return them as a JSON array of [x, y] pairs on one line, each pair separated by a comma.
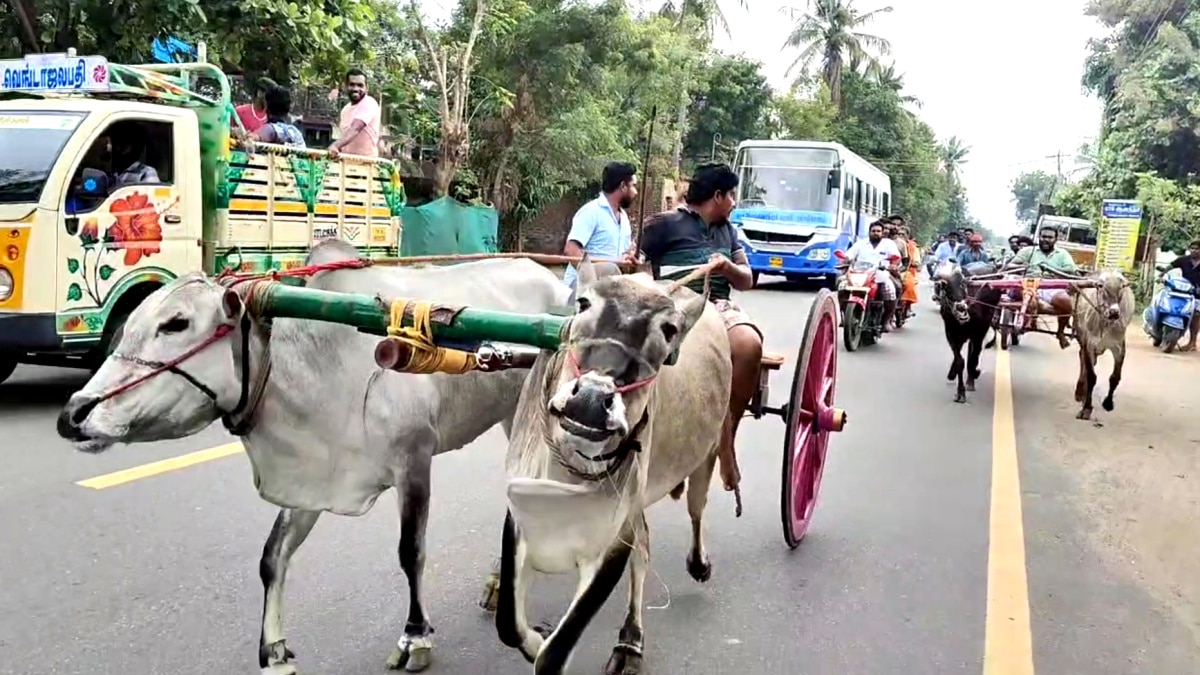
[[647, 184]]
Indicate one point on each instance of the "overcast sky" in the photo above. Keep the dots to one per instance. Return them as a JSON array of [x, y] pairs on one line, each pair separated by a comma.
[[1004, 77]]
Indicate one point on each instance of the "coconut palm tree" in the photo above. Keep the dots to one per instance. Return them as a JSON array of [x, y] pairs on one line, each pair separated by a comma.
[[953, 155], [890, 78], [830, 31], [710, 15], [708, 12]]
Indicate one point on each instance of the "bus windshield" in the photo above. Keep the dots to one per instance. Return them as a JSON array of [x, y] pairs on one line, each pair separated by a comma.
[[786, 189], [30, 142]]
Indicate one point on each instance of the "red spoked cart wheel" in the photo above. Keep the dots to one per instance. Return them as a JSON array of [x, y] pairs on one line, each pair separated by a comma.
[[811, 417]]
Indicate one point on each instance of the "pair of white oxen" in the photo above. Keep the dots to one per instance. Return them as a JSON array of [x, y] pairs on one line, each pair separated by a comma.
[[591, 444]]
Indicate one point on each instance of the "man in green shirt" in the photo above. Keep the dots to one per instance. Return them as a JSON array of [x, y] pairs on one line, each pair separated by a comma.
[[1037, 261]]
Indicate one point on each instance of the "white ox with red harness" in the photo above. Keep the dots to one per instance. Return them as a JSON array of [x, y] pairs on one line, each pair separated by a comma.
[[325, 429]]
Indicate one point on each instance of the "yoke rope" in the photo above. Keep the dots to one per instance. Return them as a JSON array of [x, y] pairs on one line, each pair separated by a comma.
[[425, 357]]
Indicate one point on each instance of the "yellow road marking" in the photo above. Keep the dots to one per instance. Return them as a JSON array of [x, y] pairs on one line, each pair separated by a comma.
[[160, 467], [1008, 639]]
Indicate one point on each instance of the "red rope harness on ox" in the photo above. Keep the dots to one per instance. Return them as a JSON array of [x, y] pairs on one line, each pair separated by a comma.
[[623, 389], [229, 279]]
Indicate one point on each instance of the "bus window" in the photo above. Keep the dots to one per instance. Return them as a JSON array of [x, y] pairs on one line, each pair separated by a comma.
[[848, 192], [887, 203]]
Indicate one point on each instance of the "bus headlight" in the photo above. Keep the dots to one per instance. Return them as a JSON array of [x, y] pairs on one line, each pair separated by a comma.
[[818, 254], [6, 284]]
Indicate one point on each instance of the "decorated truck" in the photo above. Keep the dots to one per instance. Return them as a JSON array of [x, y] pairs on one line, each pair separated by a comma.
[[116, 179]]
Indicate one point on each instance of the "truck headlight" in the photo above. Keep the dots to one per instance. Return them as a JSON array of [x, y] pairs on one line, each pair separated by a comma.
[[6, 284]]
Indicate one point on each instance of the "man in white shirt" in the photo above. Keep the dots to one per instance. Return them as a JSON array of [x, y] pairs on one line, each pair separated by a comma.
[[601, 227], [875, 249]]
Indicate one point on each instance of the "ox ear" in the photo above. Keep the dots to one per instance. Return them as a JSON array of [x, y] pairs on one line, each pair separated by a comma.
[[585, 271], [232, 304]]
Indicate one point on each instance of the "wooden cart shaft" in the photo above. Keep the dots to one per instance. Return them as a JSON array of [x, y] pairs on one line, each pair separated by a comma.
[[369, 314]]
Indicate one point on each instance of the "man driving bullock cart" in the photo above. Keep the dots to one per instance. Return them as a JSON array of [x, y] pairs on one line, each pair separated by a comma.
[[699, 233]]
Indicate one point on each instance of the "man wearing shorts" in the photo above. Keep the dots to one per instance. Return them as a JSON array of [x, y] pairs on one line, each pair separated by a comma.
[[679, 241]]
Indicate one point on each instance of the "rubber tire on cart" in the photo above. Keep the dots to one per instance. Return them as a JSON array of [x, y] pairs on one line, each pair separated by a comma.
[[7, 365], [805, 445], [852, 325]]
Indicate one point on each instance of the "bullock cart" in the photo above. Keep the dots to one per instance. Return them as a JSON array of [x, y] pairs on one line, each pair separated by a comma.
[[1016, 313], [422, 337]]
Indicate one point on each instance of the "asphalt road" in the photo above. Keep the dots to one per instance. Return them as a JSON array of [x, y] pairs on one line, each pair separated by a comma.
[[159, 576]]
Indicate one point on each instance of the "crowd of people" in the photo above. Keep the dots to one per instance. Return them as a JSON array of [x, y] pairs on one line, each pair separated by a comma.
[[267, 118]]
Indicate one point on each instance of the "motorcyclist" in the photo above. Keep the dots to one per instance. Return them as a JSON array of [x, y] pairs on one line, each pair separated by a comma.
[[1189, 266], [883, 253], [974, 252], [947, 249]]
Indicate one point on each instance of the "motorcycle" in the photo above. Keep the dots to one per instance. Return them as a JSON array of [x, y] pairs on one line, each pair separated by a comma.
[[862, 311], [1168, 317]]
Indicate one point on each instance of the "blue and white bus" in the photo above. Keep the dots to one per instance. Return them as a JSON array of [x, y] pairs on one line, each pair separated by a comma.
[[799, 201]]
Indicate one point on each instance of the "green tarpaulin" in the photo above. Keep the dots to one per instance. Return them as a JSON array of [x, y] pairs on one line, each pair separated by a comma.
[[446, 227]]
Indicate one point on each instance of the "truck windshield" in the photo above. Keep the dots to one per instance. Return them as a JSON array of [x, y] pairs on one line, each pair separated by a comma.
[[787, 189], [30, 142]]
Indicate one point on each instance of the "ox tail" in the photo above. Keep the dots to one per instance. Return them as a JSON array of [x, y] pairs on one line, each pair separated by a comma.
[[991, 343], [678, 491]]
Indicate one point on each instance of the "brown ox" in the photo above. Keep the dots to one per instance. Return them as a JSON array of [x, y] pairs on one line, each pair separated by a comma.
[[1101, 316]]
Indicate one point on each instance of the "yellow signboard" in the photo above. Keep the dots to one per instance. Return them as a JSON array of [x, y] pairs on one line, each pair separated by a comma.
[[1116, 243]]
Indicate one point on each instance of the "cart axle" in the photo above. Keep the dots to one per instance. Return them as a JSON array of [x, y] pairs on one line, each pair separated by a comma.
[[826, 419]]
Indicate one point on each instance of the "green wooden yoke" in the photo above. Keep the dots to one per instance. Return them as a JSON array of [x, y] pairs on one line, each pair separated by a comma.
[[461, 326]]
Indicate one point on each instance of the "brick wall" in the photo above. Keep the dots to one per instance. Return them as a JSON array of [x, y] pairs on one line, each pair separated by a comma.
[[547, 232]]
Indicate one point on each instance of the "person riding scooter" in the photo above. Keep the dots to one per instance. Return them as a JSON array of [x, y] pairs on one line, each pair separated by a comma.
[[1189, 266]]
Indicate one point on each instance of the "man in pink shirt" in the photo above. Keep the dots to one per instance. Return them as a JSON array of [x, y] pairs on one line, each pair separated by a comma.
[[254, 115], [360, 120]]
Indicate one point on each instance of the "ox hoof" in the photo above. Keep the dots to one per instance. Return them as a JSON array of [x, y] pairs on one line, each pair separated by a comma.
[[1084, 414], [970, 386], [960, 397], [625, 660], [1107, 404], [491, 593], [413, 653], [699, 568], [276, 659]]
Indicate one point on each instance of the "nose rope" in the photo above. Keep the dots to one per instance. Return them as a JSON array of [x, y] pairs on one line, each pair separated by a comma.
[[159, 367], [632, 386]]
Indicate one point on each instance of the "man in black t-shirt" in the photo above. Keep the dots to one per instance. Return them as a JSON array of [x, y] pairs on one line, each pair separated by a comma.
[[699, 232], [1190, 266]]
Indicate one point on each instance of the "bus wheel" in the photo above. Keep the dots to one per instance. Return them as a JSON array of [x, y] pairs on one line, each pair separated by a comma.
[[7, 365]]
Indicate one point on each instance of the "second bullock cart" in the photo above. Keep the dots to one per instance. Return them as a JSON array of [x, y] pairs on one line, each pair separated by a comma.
[[489, 340]]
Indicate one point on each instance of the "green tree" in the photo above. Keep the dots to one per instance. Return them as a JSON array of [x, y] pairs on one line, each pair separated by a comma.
[[830, 32], [731, 104], [285, 39], [1029, 189], [795, 116]]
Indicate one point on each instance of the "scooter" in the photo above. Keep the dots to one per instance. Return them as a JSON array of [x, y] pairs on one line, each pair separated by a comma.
[[1168, 317]]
